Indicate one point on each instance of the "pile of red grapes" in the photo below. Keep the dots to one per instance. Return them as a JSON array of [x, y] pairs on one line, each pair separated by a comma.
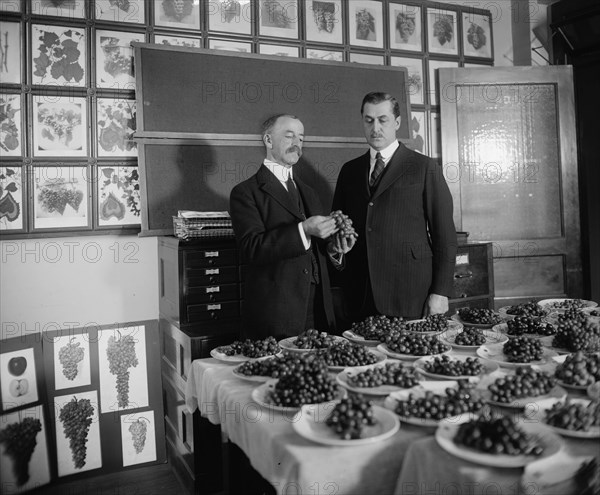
[[461, 400], [313, 339], [568, 304], [307, 384], [526, 382], [377, 327], [389, 374], [345, 353], [276, 366], [496, 436], [577, 332], [433, 323], [344, 224], [251, 348], [444, 365], [479, 316], [415, 344], [470, 336], [579, 369], [523, 350], [530, 308], [350, 416], [574, 416], [521, 325]]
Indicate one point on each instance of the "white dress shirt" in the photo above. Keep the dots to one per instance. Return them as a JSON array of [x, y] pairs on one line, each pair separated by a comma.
[[386, 155]]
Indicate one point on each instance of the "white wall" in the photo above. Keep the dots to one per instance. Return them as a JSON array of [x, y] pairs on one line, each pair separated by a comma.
[[47, 284]]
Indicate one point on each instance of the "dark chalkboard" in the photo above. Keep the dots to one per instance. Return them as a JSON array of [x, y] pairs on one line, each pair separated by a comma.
[[194, 90]]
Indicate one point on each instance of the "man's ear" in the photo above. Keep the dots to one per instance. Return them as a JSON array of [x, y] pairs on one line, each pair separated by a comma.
[[398, 120], [268, 141]]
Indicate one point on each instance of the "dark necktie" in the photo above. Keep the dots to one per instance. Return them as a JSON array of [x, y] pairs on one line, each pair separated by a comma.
[[379, 166], [293, 192]]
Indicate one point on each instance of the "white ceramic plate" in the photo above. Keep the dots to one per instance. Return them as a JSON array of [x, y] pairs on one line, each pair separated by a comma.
[[455, 317], [236, 358], [556, 392], [503, 329], [491, 337], [359, 339], [488, 367], [289, 346], [313, 428], [382, 390], [593, 432], [261, 395], [379, 356], [407, 357], [568, 386], [542, 434], [554, 305], [494, 352], [452, 326]]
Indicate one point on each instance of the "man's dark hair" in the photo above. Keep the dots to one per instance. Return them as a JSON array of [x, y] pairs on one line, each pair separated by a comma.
[[377, 97], [268, 124]]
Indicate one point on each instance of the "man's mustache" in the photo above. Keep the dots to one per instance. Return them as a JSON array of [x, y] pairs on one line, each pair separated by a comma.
[[294, 148]]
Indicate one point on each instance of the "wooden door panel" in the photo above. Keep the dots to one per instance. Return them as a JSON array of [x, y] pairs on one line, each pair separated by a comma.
[[509, 155]]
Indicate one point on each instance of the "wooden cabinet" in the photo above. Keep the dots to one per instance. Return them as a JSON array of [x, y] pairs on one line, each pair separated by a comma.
[[473, 277], [199, 305]]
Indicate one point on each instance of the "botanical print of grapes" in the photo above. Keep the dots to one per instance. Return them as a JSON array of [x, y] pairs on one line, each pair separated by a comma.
[[54, 196], [76, 417], [121, 356], [114, 60], [10, 125], [11, 198], [118, 195], [116, 125], [19, 440], [59, 126], [60, 55]]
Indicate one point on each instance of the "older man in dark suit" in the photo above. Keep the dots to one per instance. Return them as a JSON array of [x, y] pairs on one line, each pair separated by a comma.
[[403, 261], [280, 229]]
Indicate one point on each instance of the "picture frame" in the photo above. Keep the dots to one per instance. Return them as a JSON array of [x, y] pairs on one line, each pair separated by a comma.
[[72, 461], [279, 50], [118, 195], [72, 9], [61, 197], [230, 45], [71, 359], [21, 366], [132, 11], [59, 126], [418, 129], [230, 16], [184, 15], [367, 58], [115, 127], [13, 6], [186, 41], [331, 55], [138, 438], [37, 471], [278, 18], [406, 27], [13, 209], [416, 79], [477, 38], [58, 55], [442, 31], [114, 59], [11, 130], [432, 78], [365, 18], [10, 68], [323, 21], [435, 135]]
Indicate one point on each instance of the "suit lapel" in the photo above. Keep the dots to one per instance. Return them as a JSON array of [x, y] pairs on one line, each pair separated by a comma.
[[398, 165], [364, 175], [271, 186], [308, 199]]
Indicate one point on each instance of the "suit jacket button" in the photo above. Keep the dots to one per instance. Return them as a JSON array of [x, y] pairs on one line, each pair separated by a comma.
[[370, 229], [371, 203], [305, 271]]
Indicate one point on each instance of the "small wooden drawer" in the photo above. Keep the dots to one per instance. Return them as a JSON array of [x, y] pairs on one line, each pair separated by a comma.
[[213, 311], [211, 276], [471, 275], [207, 258], [212, 293]]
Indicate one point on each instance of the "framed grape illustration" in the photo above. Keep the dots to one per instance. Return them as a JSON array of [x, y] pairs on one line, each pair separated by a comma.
[[24, 450], [59, 126], [18, 378], [10, 56], [118, 196], [10, 125], [183, 14], [77, 432], [441, 31], [138, 439], [116, 125], [71, 361], [59, 55], [122, 368], [114, 59], [60, 197], [64, 8], [11, 199], [120, 10]]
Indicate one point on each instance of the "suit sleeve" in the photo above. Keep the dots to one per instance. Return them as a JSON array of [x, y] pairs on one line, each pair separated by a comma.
[[257, 243], [441, 230]]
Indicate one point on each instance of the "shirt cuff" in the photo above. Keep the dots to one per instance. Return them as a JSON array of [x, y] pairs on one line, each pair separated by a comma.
[[305, 240], [336, 258]]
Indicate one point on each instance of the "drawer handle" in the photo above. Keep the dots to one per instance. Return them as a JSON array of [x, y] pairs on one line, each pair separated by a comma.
[[211, 254], [463, 295], [211, 271], [213, 289], [468, 274], [213, 307]]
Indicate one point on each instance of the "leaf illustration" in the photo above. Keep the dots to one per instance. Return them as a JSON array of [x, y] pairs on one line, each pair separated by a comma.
[[47, 134], [9, 172], [108, 172], [71, 51], [11, 187], [42, 63], [58, 68], [73, 71], [49, 39]]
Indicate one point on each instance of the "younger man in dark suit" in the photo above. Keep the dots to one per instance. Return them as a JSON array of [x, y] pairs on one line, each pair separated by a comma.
[[401, 208], [280, 227]]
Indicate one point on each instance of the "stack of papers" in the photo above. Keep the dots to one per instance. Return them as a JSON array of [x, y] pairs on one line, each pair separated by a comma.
[[193, 224]]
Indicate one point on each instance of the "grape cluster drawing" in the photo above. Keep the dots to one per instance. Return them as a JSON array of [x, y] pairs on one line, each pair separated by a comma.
[[121, 356]]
